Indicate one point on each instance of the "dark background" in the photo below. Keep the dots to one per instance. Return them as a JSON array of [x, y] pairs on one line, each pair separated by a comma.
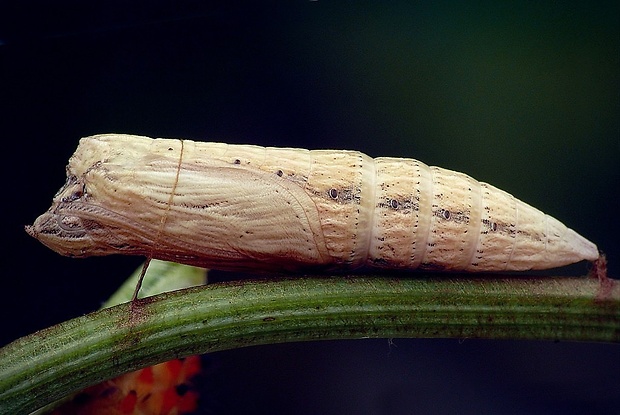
[[522, 95]]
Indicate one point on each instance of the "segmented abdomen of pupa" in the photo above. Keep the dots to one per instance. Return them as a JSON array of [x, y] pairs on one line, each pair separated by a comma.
[[434, 218], [399, 213]]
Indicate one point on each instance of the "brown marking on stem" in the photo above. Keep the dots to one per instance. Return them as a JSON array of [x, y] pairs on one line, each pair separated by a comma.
[[606, 284]]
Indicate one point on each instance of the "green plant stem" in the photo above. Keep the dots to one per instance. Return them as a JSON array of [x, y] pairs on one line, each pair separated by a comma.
[[49, 364]]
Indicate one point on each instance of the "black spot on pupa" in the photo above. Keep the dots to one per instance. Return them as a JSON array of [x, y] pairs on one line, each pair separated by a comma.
[[75, 195], [446, 214], [490, 224], [279, 173], [237, 161]]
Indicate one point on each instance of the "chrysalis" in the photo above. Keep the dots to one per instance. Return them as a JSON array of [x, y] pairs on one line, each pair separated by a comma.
[[242, 207]]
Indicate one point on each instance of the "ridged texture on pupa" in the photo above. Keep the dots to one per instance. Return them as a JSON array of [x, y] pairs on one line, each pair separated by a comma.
[[246, 207]]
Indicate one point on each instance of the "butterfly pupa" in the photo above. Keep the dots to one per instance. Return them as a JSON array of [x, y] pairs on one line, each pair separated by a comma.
[[244, 207]]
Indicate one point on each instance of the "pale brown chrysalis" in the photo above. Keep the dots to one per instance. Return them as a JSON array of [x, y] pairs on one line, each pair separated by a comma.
[[242, 207]]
